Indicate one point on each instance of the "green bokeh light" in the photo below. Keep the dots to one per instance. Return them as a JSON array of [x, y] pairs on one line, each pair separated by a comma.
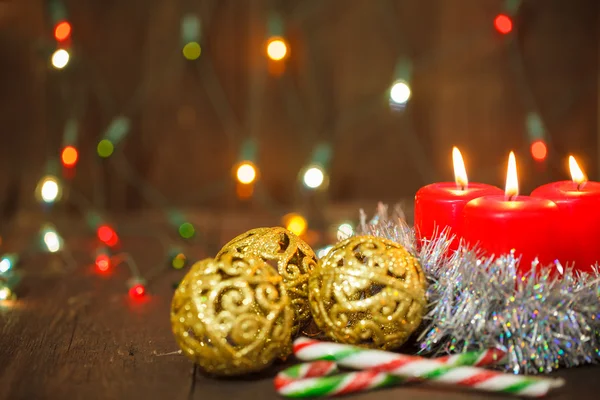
[[105, 148], [186, 230], [192, 50], [179, 261]]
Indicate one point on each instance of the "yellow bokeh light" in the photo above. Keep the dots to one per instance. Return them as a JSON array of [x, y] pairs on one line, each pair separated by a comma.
[[179, 261], [5, 293], [296, 224], [246, 173], [192, 50], [60, 58], [277, 49]]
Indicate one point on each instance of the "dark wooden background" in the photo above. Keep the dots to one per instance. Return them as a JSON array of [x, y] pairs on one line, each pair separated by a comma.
[[468, 90]]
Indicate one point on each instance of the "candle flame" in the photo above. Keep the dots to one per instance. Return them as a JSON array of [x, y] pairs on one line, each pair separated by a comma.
[[576, 173], [512, 183], [460, 173]]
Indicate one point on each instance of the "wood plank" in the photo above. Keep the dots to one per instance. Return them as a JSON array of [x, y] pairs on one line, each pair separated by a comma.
[[76, 334]]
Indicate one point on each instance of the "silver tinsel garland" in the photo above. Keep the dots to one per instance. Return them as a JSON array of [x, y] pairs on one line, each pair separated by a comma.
[[542, 321]]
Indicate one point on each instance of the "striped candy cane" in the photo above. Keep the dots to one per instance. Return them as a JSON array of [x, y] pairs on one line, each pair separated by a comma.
[[335, 384], [312, 379], [475, 358], [412, 367], [303, 371]]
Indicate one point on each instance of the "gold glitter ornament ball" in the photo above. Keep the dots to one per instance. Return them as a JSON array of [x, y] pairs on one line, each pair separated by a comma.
[[232, 315], [368, 291], [292, 256]]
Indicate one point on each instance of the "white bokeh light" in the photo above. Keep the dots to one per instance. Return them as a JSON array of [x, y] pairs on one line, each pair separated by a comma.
[[400, 92], [49, 190], [5, 265], [313, 177], [52, 241], [345, 230], [60, 58]]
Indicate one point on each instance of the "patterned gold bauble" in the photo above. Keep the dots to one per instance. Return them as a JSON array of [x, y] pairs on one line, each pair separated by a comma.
[[232, 315], [292, 256], [368, 291]]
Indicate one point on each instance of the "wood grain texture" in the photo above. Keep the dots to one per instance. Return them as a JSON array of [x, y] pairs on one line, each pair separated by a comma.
[[75, 334]]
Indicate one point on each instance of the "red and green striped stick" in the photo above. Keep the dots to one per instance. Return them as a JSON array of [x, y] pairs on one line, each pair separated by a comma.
[[314, 379], [377, 365], [331, 385]]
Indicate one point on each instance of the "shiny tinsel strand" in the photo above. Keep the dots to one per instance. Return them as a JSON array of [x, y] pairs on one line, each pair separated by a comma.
[[543, 322]]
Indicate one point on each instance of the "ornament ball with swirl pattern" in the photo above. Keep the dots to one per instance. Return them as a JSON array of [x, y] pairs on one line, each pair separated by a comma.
[[368, 291], [232, 315], [290, 255]]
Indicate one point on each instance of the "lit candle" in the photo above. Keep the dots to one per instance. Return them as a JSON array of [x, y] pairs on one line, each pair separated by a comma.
[[499, 224], [439, 206], [578, 222]]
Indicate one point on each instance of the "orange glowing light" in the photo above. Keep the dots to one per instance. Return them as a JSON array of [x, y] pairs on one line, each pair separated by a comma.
[[277, 49], [244, 191], [69, 156], [62, 31], [576, 173], [460, 173], [512, 183], [295, 223], [246, 173], [539, 151]]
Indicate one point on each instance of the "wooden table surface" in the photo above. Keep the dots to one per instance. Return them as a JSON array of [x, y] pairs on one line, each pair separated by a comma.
[[74, 333]]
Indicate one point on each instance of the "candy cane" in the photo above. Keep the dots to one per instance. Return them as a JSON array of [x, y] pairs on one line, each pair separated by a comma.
[[377, 361], [335, 384], [312, 379], [475, 358], [303, 371]]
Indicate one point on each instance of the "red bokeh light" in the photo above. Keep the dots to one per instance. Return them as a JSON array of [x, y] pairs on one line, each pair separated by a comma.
[[503, 24], [69, 156], [539, 150], [137, 291], [113, 241], [62, 31], [103, 262], [106, 233]]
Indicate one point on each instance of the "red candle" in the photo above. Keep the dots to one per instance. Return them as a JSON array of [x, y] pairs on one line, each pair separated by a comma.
[[499, 224], [578, 221], [440, 205]]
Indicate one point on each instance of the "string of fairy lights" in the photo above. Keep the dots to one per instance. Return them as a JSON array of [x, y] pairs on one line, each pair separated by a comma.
[[313, 176]]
